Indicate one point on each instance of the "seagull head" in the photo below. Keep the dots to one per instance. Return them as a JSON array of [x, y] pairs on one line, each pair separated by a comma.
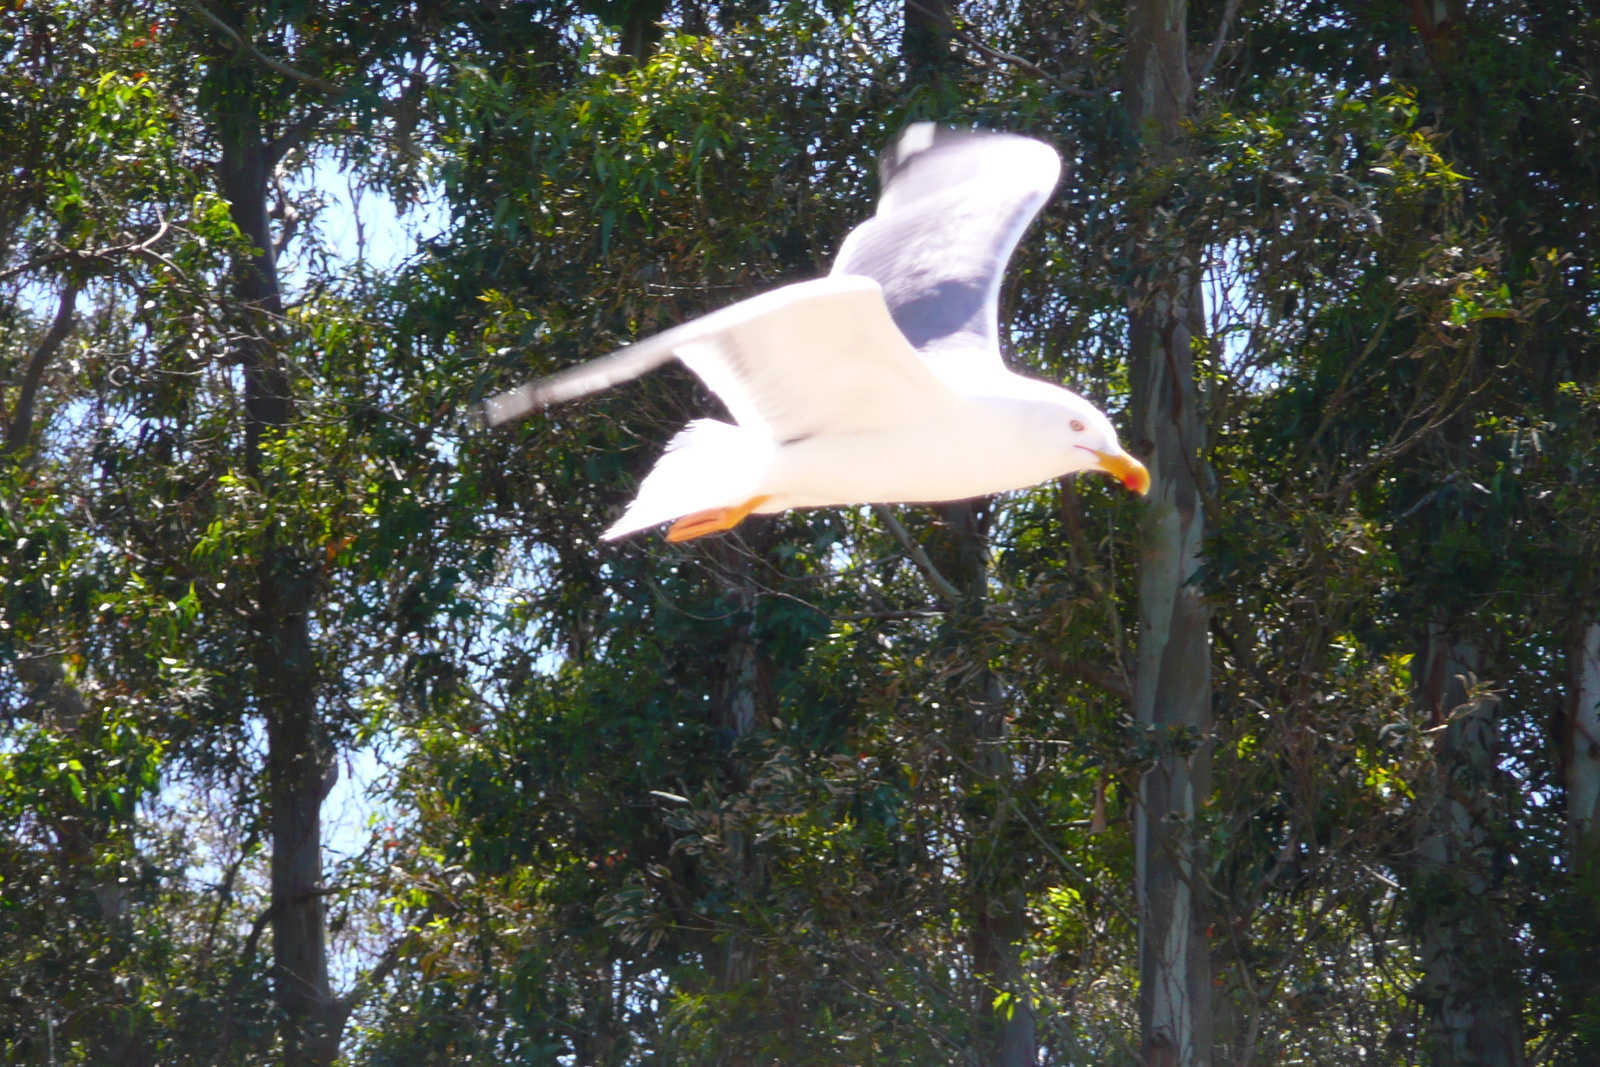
[[1091, 444]]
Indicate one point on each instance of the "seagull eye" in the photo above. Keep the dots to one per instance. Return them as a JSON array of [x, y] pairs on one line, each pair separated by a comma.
[[1077, 426]]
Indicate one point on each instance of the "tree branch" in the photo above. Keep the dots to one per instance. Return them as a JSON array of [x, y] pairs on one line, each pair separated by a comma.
[[291, 138], [940, 583], [320, 84], [225, 887], [370, 981], [972, 41], [100, 256], [246, 954], [1229, 9], [20, 428]]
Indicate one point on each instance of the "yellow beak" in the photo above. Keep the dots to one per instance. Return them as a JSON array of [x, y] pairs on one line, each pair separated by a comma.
[[1125, 469]]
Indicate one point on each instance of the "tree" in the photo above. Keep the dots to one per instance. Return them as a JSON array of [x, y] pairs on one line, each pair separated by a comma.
[[1172, 687], [850, 785]]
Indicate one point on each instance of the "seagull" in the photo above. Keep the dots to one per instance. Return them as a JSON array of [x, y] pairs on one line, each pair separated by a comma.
[[881, 383]]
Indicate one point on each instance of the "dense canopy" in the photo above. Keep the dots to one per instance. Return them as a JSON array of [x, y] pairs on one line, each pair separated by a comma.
[[1296, 760]]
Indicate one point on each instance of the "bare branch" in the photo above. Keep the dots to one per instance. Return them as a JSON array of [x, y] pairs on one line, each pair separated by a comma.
[[321, 84], [246, 955], [369, 982], [248, 951], [225, 886]]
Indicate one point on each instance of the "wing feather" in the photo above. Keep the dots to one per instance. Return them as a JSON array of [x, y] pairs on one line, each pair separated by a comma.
[[955, 203], [822, 356], [819, 357]]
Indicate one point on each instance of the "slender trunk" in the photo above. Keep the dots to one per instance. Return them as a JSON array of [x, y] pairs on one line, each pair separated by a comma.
[[297, 756], [999, 923], [742, 707], [1580, 765], [1172, 692], [20, 426], [926, 41], [742, 704], [1581, 750], [641, 34], [1468, 984]]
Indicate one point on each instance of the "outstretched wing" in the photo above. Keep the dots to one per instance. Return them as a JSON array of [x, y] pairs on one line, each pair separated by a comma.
[[954, 205], [623, 365], [818, 357]]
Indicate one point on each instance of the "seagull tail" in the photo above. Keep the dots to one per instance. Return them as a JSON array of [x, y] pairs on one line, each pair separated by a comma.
[[710, 464]]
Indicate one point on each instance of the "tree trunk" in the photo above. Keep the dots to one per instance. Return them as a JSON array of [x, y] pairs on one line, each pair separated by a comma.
[[1580, 766], [1581, 751], [1172, 692], [999, 916], [743, 702], [1468, 984], [297, 757], [926, 40], [998, 911]]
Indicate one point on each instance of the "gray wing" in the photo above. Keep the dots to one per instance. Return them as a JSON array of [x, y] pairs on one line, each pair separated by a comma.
[[954, 205]]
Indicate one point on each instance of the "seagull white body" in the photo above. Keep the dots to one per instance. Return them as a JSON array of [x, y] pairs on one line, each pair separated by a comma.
[[882, 383]]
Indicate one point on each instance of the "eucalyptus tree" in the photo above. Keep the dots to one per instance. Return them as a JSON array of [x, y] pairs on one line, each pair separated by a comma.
[[225, 439], [1172, 684], [98, 200], [277, 86]]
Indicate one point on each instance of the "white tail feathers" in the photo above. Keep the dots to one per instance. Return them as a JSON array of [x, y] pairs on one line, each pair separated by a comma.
[[710, 464]]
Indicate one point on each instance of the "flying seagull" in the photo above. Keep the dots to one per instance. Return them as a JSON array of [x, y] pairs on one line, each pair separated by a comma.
[[881, 383]]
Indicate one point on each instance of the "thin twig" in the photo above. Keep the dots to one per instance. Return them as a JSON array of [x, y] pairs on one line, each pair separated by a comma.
[[1026, 66]]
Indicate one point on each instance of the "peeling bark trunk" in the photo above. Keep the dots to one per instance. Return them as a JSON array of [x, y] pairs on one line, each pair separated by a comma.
[[298, 761], [1580, 777], [1172, 692], [1468, 984]]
